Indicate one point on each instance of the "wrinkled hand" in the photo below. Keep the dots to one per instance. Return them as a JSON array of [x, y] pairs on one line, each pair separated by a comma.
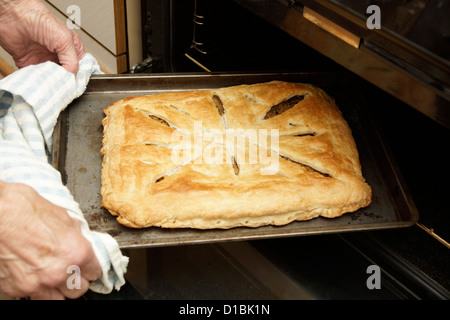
[[38, 242], [31, 35]]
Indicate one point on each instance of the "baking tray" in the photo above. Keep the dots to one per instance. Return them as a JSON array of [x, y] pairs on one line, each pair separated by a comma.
[[78, 140]]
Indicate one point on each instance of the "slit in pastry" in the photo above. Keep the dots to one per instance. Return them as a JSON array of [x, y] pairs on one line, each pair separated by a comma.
[[283, 106]]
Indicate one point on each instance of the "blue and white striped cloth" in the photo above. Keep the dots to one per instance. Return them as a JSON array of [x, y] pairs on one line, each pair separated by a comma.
[[30, 102]]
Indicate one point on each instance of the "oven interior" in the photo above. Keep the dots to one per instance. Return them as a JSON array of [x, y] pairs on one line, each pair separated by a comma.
[[196, 37]]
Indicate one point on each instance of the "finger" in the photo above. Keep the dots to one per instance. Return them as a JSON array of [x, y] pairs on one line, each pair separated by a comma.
[[75, 290], [46, 293], [91, 269], [36, 54], [89, 264], [78, 44], [67, 55], [69, 61], [7, 289]]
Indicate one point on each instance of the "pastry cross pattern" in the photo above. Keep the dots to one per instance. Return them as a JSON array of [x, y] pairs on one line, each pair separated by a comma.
[[234, 159]]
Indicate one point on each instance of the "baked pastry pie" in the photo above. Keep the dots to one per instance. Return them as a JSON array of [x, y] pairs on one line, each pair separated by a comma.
[[249, 155]]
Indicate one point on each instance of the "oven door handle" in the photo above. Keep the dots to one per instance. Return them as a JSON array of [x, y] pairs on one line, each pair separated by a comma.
[[331, 27]]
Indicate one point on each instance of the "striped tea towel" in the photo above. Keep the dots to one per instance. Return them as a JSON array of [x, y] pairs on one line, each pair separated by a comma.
[[30, 102]]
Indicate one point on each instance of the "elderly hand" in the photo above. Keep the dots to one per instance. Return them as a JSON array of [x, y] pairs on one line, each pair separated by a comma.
[[38, 243], [31, 34]]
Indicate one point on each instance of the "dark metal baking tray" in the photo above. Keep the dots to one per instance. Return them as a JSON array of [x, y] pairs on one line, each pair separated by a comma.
[[78, 140]]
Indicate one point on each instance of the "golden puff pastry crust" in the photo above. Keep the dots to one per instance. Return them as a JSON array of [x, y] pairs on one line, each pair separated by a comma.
[[249, 155]]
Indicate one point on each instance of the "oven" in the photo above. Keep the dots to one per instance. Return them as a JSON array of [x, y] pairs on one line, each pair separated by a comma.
[[393, 64]]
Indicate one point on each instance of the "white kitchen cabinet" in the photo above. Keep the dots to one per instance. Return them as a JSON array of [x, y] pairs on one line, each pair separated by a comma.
[[110, 30]]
